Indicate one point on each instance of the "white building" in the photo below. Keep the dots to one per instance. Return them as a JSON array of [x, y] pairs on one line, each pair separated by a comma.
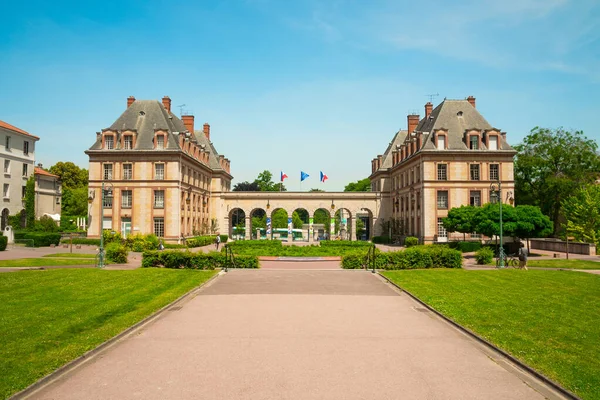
[[17, 150]]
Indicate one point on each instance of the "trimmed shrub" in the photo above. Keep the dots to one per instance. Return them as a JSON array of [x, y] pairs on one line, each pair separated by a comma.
[[140, 243], [111, 236], [116, 253], [224, 238], [3, 243], [353, 261], [174, 246], [411, 241], [344, 243], [484, 255], [381, 239], [465, 247], [40, 239], [445, 257], [86, 241], [185, 259], [429, 256], [200, 241]]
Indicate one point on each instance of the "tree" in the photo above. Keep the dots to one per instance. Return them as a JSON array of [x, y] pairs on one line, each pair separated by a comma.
[[530, 222], [296, 220], [246, 187], [316, 190], [550, 165], [70, 174], [30, 202], [322, 217], [460, 219], [363, 185], [582, 213], [486, 220], [279, 219], [74, 201]]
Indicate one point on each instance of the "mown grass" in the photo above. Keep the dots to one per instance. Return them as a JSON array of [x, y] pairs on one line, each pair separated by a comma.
[[548, 319], [571, 264], [70, 255], [48, 318], [45, 262]]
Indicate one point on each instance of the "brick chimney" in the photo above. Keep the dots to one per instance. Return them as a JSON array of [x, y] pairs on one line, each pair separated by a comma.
[[207, 130], [188, 121], [413, 121], [167, 103], [428, 109], [471, 101], [130, 101]]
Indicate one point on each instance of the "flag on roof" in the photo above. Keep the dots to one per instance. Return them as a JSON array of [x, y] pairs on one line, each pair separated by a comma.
[[303, 176], [283, 176], [323, 177]]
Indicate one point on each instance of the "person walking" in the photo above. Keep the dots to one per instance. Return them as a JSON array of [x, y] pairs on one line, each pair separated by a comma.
[[218, 241], [522, 256]]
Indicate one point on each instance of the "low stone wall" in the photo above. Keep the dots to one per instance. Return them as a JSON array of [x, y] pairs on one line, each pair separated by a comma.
[[560, 246]]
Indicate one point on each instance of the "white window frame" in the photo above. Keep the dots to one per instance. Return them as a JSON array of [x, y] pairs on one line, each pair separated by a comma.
[[440, 204], [129, 198], [159, 199], [156, 175], [445, 172], [497, 172], [107, 172], [475, 172], [159, 227], [127, 171], [128, 142], [109, 142]]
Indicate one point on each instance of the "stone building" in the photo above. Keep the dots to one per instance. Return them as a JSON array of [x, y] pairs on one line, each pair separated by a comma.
[[48, 192], [447, 159], [159, 174], [17, 154]]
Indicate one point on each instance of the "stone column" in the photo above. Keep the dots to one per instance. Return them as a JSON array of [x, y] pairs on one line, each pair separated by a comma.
[[373, 225], [353, 228], [332, 226], [311, 233], [247, 228]]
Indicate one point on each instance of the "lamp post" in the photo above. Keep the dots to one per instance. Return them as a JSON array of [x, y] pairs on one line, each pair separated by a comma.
[[104, 195], [496, 193]]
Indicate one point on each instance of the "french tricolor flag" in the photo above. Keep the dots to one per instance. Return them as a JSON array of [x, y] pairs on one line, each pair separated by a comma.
[[323, 177], [283, 176]]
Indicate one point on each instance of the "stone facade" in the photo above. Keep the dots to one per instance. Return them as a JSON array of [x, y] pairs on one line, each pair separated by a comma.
[[447, 159], [48, 192], [158, 174], [17, 154]]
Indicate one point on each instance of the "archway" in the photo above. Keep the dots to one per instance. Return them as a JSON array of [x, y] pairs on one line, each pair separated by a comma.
[[364, 228], [321, 224], [258, 224], [301, 225], [237, 224], [343, 224], [279, 224], [5, 213]]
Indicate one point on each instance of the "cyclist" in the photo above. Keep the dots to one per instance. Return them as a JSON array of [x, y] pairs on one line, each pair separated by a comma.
[[522, 256]]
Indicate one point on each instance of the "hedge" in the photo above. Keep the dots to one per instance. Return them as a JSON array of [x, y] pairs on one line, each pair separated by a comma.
[[465, 247], [3, 243], [416, 257], [40, 239], [117, 253], [91, 242], [484, 256], [200, 241], [344, 243], [381, 239], [186, 259], [411, 241]]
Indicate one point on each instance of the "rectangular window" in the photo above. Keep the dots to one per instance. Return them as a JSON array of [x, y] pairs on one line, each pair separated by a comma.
[[7, 166], [159, 172], [475, 198], [25, 170], [128, 142], [107, 223], [26, 147], [126, 198], [160, 142], [108, 202], [474, 142], [442, 172], [127, 171], [493, 142], [474, 172], [442, 233], [7, 143], [159, 199], [441, 142], [494, 172], [159, 227], [109, 142], [5, 190], [108, 170], [23, 189], [442, 199]]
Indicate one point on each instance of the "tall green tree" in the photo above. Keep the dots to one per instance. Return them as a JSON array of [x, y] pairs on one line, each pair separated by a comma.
[[70, 174], [30, 202], [531, 223], [582, 214], [363, 185], [460, 219], [487, 220], [262, 183], [74, 201], [550, 165], [246, 187]]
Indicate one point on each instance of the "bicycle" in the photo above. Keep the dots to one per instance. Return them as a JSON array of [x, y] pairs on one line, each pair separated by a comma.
[[510, 261]]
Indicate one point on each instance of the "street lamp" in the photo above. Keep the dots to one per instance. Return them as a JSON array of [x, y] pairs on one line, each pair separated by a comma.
[[106, 194], [496, 195]]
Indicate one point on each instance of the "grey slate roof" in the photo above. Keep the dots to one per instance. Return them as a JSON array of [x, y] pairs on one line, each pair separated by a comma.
[[387, 158], [147, 116]]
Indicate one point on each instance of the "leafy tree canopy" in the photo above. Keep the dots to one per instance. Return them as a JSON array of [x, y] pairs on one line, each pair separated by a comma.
[[460, 219], [74, 201], [551, 164], [70, 174], [246, 187], [582, 214], [262, 183], [363, 185]]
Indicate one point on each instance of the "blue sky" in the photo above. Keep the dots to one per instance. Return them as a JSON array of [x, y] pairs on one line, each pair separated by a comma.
[[303, 85]]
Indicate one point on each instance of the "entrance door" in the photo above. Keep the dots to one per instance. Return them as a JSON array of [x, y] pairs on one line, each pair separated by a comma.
[[4, 218], [125, 227]]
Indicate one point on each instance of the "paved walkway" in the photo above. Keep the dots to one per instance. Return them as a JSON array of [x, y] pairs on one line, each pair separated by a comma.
[[295, 334]]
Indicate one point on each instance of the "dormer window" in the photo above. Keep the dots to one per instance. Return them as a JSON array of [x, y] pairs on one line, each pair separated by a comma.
[[474, 142], [109, 142], [440, 141], [160, 141], [493, 142], [128, 142]]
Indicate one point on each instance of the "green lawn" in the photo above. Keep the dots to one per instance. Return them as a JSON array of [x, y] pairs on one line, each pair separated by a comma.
[[48, 318], [548, 319], [45, 262], [70, 255], [571, 264]]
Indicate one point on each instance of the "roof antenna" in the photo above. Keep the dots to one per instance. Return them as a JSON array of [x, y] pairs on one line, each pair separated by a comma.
[[181, 109], [431, 96]]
